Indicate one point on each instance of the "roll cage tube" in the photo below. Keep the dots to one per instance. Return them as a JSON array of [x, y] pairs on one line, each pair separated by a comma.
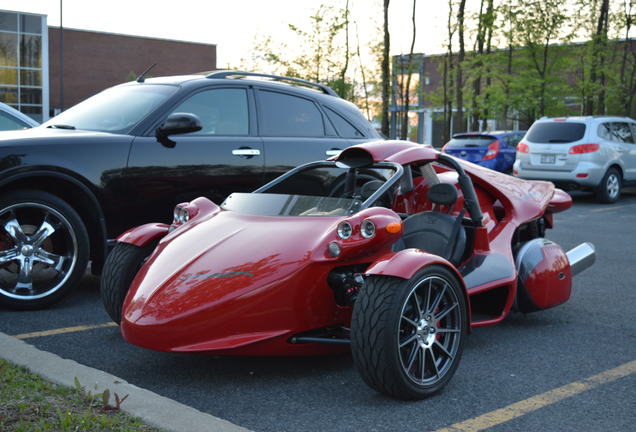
[[467, 187], [399, 171]]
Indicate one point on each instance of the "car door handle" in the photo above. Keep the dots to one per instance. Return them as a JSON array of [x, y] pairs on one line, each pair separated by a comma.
[[333, 152], [246, 152]]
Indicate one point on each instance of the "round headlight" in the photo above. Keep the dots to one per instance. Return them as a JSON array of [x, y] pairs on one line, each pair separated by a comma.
[[185, 215], [175, 215], [345, 230], [367, 229], [333, 249]]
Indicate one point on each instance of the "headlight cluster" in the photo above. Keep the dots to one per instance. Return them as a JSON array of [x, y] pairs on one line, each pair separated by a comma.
[[367, 229], [352, 237], [180, 215]]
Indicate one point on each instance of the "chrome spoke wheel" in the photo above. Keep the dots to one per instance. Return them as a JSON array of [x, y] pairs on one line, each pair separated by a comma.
[[429, 330], [38, 250]]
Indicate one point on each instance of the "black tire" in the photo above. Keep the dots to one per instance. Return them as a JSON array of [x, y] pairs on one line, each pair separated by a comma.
[[44, 249], [385, 333], [609, 190], [120, 268]]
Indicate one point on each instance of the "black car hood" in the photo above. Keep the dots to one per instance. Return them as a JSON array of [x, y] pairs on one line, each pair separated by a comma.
[[40, 134]]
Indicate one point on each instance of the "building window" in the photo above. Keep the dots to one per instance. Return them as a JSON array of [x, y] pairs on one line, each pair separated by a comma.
[[22, 57]]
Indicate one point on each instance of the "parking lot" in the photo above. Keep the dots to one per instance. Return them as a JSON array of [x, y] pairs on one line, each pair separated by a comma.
[[568, 368]]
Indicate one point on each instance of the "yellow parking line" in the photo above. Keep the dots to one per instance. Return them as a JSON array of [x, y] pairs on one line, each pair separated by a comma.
[[534, 403], [604, 209], [63, 330]]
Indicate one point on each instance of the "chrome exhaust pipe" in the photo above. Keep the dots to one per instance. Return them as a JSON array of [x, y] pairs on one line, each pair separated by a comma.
[[581, 257]]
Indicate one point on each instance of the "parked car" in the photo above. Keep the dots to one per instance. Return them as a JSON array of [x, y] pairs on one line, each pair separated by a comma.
[[393, 249], [590, 153], [495, 150], [12, 119], [129, 154]]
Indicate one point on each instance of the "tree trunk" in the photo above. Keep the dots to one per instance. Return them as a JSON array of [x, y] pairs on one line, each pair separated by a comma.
[[459, 96], [598, 42], [448, 79], [407, 89], [386, 77], [626, 95], [478, 51]]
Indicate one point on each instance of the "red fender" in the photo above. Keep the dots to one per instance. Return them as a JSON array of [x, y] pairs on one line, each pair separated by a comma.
[[406, 263], [144, 234]]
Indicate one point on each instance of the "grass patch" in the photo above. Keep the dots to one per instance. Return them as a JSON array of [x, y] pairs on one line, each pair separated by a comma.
[[30, 404]]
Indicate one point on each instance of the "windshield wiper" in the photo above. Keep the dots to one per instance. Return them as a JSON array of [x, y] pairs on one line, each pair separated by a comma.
[[62, 126]]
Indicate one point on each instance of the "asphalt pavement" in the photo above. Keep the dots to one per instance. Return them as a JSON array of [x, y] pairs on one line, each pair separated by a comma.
[[509, 374]]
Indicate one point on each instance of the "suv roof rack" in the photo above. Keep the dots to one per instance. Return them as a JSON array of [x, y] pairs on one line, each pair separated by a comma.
[[227, 74]]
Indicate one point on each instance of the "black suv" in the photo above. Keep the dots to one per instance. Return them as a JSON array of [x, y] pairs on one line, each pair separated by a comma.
[[129, 154]]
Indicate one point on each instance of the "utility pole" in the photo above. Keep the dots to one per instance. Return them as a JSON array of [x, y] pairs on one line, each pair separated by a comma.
[[61, 60]]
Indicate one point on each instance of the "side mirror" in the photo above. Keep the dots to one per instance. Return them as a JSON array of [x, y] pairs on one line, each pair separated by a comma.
[[177, 123]]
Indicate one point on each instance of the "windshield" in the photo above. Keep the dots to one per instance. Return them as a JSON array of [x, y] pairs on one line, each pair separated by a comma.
[[289, 205], [114, 110], [320, 189]]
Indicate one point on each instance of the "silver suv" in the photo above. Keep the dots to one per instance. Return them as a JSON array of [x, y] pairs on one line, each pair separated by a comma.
[[588, 153]]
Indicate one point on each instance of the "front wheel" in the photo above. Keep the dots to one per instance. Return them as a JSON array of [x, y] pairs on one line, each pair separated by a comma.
[[44, 248], [407, 336], [120, 268]]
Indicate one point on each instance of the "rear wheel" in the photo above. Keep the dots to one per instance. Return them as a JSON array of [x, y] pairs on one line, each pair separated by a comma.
[[609, 190], [121, 266], [407, 336], [44, 249]]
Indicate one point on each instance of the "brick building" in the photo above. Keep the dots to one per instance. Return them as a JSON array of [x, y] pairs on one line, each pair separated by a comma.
[[30, 58]]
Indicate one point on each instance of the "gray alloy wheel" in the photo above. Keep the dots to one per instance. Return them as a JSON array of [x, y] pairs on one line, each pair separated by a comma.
[[43, 248], [429, 330], [609, 191], [407, 336]]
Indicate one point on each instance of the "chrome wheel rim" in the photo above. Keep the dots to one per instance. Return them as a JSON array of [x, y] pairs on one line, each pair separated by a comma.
[[613, 185], [429, 331], [38, 251]]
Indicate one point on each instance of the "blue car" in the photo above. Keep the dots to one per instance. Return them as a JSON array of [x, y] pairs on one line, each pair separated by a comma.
[[494, 150]]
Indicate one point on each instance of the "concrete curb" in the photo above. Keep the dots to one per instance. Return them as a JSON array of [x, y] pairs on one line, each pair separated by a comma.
[[152, 408]]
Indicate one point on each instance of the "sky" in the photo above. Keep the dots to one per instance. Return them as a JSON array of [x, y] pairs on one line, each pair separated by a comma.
[[234, 26]]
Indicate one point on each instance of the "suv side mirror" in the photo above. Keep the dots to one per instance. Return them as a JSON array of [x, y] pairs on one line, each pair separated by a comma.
[[177, 123]]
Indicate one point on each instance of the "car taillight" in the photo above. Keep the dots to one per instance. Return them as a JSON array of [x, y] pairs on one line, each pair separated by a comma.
[[493, 151], [523, 148], [584, 148]]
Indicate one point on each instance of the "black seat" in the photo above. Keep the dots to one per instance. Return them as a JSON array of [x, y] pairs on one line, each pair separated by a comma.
[[435, 232]]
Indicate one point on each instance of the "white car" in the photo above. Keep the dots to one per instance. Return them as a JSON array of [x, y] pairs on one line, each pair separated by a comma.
[[595, 153], [12, 119]]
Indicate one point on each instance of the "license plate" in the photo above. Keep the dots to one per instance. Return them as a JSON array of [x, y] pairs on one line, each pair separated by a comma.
[[548, 159]]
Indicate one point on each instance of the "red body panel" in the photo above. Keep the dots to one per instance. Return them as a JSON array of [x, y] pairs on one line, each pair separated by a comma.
[[545, 276], [239, 284], [144, 234], [225, 282], [404, 264]]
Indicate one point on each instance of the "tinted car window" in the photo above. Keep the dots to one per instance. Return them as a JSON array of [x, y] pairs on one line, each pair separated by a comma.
[[221, 111], [514, 139], [556, 132], [616, 131], [344, 128], [633, 126], [285, 115], [9, 123], [470, 141]]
